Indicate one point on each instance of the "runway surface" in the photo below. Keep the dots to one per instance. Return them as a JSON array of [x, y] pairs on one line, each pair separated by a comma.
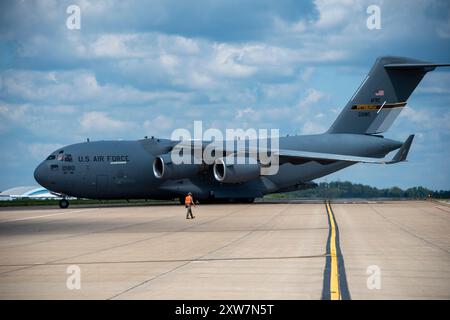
[[289, 250]]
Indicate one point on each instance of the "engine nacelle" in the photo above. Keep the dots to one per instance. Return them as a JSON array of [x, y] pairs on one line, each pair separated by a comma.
[[163, 168], [228, 171]]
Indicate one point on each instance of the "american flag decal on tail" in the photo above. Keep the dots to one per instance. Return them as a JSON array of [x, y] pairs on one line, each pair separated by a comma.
[[379, 93]]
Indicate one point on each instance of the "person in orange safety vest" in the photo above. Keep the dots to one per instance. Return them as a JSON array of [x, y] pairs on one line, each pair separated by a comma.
[[189, 202]]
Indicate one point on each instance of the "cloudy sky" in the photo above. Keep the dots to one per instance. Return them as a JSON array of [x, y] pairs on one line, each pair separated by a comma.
[[138, 68]]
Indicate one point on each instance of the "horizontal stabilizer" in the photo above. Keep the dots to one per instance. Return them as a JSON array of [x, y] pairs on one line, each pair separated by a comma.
[[404, 66]]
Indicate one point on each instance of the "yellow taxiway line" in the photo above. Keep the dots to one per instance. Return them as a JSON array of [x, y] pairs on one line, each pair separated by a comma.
[[335, 291]]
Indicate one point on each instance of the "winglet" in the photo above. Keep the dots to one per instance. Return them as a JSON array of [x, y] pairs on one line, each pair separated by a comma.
[[402, 153]]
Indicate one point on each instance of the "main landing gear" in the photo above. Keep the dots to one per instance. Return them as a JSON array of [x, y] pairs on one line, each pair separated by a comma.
[[63, 203]]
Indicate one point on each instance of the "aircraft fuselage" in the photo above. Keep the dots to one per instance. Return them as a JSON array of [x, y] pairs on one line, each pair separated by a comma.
[[123, 169]]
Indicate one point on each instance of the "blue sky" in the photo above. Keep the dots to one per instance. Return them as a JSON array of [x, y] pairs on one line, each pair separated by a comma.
[[140, 68]]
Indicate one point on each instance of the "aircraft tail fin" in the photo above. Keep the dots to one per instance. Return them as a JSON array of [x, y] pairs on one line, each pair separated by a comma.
[[382, 95]]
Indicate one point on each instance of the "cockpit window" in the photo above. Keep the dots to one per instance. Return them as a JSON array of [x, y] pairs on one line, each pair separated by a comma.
[[60, 156]]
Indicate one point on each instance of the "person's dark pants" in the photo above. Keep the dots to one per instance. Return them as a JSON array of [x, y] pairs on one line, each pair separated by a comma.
[[189, 212]]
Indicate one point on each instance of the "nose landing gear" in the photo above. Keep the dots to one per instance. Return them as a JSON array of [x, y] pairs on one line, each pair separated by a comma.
[[63, 203]]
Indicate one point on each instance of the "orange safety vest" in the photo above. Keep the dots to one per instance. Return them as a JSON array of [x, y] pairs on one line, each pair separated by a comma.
[[188, 200]]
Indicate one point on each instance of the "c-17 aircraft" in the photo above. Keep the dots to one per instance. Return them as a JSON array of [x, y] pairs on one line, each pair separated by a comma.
[[143, 169]]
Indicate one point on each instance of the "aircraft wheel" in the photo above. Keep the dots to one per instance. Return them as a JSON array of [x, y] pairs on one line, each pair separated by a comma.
[[63, 203]]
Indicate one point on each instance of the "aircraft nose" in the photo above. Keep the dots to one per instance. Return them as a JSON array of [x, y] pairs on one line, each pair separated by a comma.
[[40, 174]]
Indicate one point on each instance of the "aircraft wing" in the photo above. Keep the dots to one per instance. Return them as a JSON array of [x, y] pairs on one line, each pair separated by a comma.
[[295, 155], [298, 156]]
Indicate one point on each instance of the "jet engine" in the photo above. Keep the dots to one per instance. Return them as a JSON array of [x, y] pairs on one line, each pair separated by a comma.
[[228, 171], [163, 168]]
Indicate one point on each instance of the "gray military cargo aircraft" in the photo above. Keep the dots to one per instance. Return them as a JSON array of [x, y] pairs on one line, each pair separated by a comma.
[[143, 169]]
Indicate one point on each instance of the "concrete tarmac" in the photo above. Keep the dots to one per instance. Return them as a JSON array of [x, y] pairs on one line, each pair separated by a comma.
[[390, 250]]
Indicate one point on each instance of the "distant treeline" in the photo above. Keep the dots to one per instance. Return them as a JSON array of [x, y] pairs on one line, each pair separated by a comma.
[[347, 189]]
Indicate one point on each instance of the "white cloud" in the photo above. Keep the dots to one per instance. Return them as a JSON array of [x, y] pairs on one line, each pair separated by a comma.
[[311, 127], [38, 120], [243, 112], [96, 7], [13, 113], [416, 116], [75, 87], [116, 46], [312, 96], [159, 125], [40, 151], [96, 121], [227, 61], [437, 82], [431, 119], [178, 45], [307, 74], [62, 109], [336, 13], [287, 27]]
